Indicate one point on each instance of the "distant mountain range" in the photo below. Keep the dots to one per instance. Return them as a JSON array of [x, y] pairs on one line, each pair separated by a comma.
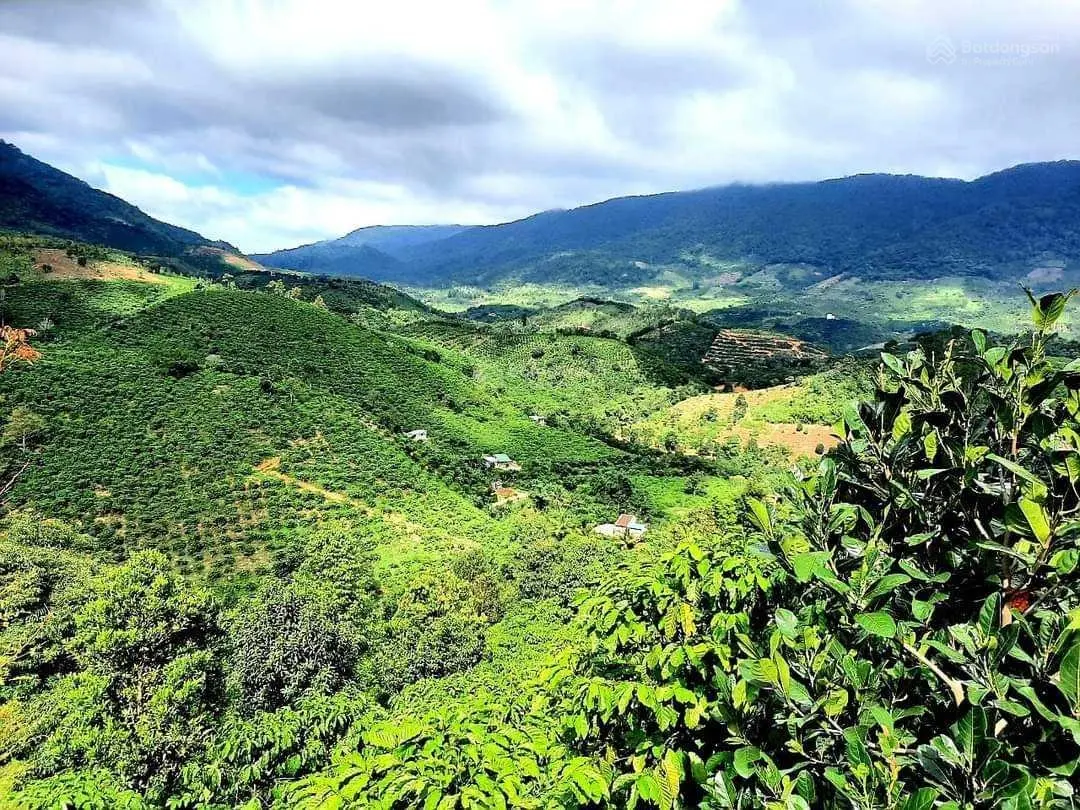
[[1019, 223], [379, 250], [37, 198], [1004, 225]]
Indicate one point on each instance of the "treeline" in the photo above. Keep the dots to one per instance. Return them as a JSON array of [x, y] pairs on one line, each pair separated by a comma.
[[128, 680]]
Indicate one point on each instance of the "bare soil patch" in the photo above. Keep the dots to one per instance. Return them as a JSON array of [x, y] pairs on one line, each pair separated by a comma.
[[65, 267]]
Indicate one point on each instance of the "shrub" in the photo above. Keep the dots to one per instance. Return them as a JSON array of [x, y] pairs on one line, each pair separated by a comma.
[[286, 645], [913, 640]]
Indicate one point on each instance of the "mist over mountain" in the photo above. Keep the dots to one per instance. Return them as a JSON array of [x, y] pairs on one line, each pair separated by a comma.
[[373, 252], [1003, 225]]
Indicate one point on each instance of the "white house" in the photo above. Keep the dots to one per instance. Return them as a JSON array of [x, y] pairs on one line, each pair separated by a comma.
[[627, 526], [501, 461], [417, 435]]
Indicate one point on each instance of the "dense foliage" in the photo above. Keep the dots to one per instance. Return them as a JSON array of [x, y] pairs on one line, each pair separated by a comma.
[[912, 640], [229, 579]]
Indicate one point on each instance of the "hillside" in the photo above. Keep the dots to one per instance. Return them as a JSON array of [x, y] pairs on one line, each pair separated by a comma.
[[1004, 225], [203, 382], [37, 198], [229, 574]]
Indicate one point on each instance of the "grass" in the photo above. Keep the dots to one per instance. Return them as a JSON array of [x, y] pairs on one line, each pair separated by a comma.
[[797, 418]]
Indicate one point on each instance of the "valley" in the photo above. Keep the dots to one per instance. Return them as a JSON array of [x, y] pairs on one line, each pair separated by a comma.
[[288, 537]]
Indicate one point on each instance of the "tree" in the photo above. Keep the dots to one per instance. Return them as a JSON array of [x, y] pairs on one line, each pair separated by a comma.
[[320, 303], [741, 406], [436, 629], [15, 347], [913, 639], [143, 684], [23, 425], [287, 644]]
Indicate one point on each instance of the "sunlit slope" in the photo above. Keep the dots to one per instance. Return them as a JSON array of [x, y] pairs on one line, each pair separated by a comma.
[[219, 424]]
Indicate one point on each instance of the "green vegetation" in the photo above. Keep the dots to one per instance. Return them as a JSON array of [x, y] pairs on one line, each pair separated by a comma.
[[230, 579]]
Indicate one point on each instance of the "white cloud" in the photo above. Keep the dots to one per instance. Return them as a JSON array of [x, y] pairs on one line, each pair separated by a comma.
[[268, 123], [294, 215]]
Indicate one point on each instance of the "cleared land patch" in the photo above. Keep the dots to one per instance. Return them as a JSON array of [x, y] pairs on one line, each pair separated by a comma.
[[64, 267], [700, 424]]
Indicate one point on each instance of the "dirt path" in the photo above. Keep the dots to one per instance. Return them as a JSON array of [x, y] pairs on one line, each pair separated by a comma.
[[270, 468]]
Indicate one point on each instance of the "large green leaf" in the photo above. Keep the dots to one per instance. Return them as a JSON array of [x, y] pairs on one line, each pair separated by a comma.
[[759, 515], [835, 702], [1037, 519], [930, 445], [808, 563], [969, 732], [990, 615], [1050, 308], [745, 759], [901, 425], [1069, 677], [886, 585], [893, 362], [922, 799], [878, 623], [1014, 468]]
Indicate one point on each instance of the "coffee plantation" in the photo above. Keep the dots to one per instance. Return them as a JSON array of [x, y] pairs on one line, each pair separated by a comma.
[[229, 578]]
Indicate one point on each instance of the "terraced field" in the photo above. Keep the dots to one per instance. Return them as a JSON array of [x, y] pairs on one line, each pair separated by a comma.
[[737, 348]]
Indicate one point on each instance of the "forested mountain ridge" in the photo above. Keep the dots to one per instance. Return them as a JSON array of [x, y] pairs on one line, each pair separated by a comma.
[[1016, 224], [876, 226], [373, 252], [38, 198]]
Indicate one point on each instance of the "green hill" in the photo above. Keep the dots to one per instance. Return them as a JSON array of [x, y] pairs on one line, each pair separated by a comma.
[[159, 422]]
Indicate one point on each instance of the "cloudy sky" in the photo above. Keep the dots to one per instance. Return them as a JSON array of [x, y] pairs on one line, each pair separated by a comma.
[[279, 122]]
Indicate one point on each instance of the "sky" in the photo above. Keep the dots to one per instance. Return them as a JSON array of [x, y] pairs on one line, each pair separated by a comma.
[[276, 123]]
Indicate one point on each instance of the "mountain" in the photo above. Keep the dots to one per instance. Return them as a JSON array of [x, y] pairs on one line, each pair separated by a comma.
[[372, 252], [394, 239], [38, 198], [874, 226], [336, 260], [1020, 223]]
